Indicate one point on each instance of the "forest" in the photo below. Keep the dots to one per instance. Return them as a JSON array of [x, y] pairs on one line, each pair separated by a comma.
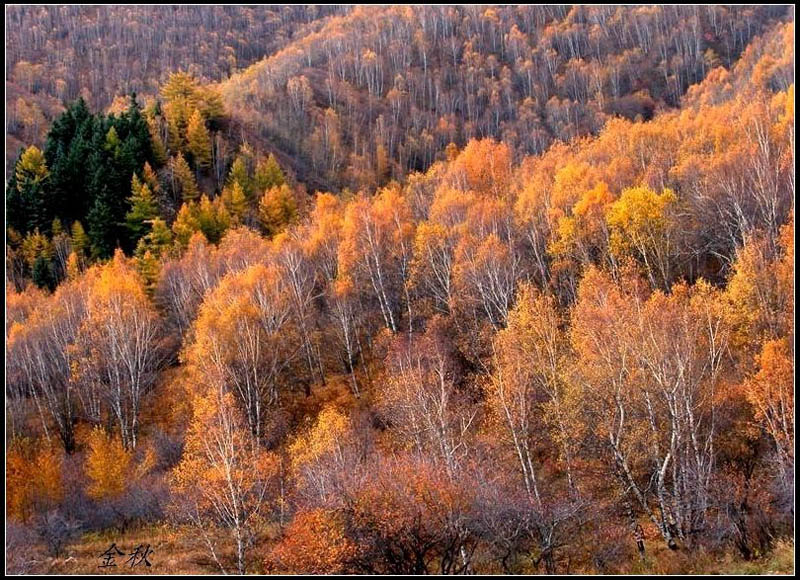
[[400, 290]]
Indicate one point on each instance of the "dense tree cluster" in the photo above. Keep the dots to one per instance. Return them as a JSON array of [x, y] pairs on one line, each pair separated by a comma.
[[128, 175], [576, 360], [87, 161]]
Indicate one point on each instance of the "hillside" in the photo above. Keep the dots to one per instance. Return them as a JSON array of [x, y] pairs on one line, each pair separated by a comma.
[[381, 91], [56, 53], [377, 304]]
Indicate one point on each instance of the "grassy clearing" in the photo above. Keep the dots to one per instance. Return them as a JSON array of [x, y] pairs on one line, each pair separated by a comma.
[[179, 550], [661, 560], [175, 551]]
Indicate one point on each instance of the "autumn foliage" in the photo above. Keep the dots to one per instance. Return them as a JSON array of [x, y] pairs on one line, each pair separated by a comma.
[[446, 290]]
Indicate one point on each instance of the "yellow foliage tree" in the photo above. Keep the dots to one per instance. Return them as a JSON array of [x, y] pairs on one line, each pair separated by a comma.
[[121, 331], [326, 436], [108, 465], [31, 169], [243, 339], [771, 393], [277, 209], [641, 227], [224, 477], [483, 166], [184, 185], [181, 97], [33, 477], [530, 383], [235, 202], [198, 140]]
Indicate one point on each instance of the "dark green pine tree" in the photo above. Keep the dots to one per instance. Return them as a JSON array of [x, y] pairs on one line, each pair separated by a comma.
[[105, 217], [102, 230], [43, 274], [67, 148], [121, 145], [132, 128]]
